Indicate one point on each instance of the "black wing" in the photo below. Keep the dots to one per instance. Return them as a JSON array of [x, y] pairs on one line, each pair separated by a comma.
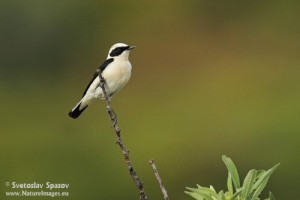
[[105, 64], [101, 68]]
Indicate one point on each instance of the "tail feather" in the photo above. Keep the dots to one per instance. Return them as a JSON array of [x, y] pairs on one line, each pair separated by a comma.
[[75, 112]]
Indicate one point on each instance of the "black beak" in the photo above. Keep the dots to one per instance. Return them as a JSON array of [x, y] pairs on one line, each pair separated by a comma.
[[131, 47]]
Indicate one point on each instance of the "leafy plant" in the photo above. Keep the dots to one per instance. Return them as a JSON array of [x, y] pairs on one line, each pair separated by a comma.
[[253, 184]]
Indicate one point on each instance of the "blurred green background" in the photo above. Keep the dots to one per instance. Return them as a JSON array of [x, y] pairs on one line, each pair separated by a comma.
[[209, 78]]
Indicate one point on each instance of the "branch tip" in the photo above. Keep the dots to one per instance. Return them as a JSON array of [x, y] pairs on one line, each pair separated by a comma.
[[160, 182]]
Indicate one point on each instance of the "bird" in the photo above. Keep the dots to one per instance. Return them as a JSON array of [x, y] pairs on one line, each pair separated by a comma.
[[116, 72]]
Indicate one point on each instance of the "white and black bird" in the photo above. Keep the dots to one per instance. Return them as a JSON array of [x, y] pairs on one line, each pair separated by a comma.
[[116, 72]]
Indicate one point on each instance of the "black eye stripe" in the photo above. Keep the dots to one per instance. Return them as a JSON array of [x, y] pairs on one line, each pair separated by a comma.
[[118, 51]]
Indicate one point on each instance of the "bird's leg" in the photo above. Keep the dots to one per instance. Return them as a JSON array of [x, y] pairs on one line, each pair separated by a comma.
[[98, 71], [111, 112], [102, 85]]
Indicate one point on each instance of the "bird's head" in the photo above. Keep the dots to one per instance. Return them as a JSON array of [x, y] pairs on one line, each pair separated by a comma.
[[120, 50]]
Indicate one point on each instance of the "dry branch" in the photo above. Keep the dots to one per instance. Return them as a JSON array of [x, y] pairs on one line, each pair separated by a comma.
[[125, 152], [160, 182]]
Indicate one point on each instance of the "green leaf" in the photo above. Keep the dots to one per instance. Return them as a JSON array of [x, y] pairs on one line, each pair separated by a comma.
[[229, 185], [227, 196], [233, 171], [253, 184], [199, 195], [207, 193], [260, 188], [248, 183], [260, 173], [195, 195], [212, 188], [262, 181], [236, 194], [271, 196], [221, 195]]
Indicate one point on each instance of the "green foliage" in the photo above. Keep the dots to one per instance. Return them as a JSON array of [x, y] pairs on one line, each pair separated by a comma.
[[253, 184]]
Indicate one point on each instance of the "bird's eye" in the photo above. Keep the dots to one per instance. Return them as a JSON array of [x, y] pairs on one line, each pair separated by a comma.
[[117, 51]]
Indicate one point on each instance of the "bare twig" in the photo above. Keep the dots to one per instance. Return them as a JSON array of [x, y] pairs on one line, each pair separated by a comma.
[[125, 152], [160, 182]]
